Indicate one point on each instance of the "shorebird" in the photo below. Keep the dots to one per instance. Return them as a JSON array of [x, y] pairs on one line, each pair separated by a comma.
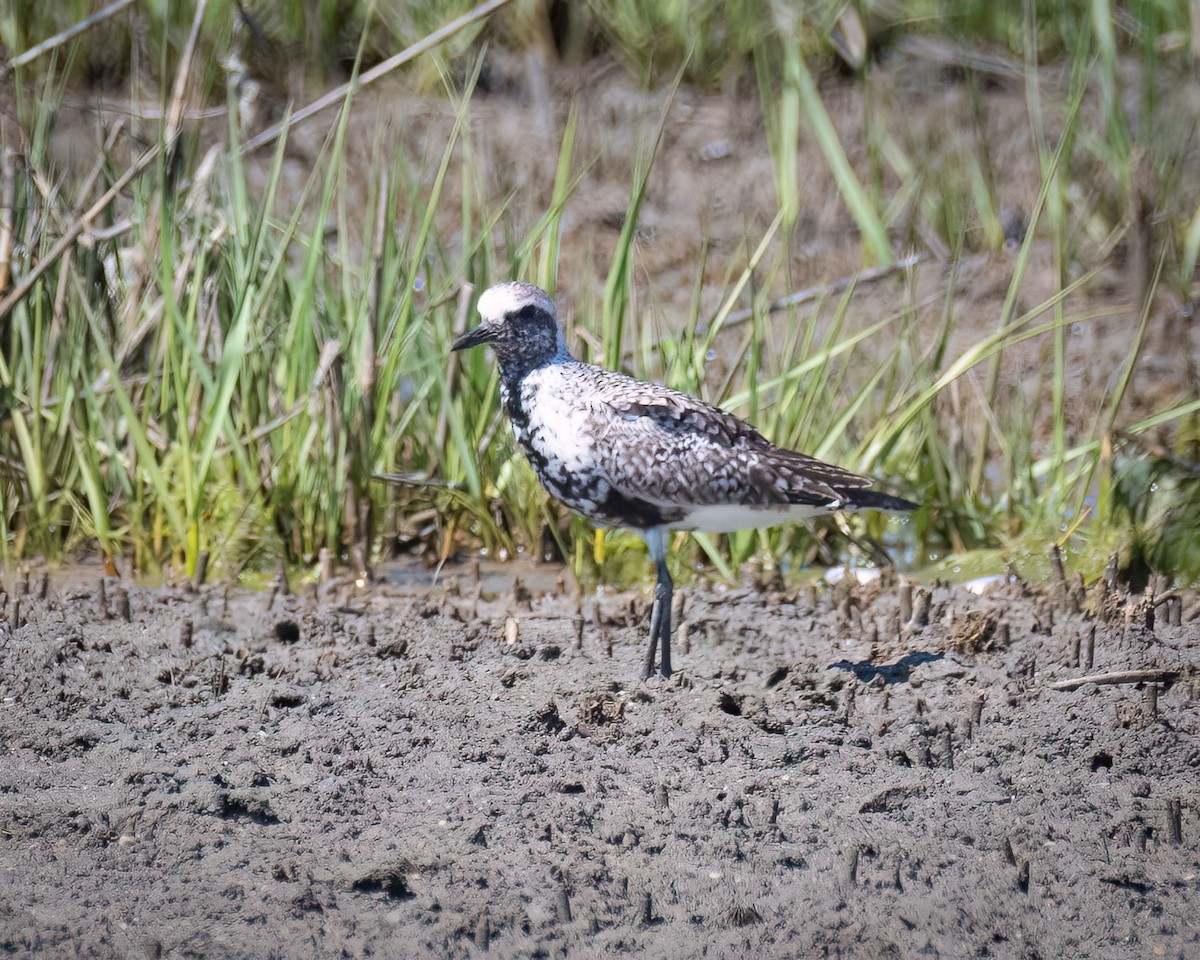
[[625, 453]]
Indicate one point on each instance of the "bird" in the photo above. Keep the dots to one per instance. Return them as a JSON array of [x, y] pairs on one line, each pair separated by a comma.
[[628, 453]]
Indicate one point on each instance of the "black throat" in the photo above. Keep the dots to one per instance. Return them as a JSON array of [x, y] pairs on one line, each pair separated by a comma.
[[530, 341], [513, 371]]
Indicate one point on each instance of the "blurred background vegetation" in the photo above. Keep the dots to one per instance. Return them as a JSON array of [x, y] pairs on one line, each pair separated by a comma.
[[243, 352]]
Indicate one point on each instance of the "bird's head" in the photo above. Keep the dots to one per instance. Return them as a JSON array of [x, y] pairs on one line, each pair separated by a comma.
[[519, 322]]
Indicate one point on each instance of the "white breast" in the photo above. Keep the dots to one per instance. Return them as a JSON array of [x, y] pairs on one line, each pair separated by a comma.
[[557, 420]]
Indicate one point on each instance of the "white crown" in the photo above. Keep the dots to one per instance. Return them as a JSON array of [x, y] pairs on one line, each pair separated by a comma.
[[495, 303]]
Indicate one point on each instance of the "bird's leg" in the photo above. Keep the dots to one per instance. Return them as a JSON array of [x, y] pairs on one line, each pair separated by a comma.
[[660, 616], [660, 623], [655, 622], [664, 591]]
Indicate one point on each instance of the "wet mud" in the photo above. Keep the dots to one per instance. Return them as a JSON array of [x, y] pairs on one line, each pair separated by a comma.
[[848, 771]]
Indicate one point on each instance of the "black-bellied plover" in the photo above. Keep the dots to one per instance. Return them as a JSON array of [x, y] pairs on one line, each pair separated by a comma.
[[624, 453]]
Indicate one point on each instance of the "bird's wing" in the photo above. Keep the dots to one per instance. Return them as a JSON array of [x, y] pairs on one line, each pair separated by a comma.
[[683, 450]]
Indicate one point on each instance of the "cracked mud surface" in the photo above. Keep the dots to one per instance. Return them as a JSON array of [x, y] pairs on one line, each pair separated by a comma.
[[401, 776]]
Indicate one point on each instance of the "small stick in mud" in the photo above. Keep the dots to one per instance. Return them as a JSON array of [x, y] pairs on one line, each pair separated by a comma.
[[281, 578], [846, 709], [519, 597], [922, 600], [976, 718], [948, 747], [678, 606], [844, 609], [1089, 647], [1056, 564], [850, 866], [121, 599], [1150, 696], [102, 600], [1157, 586], [201, 570], [1118, 676], [1077, 592], [43, 589], [358, 562], [906, 602], [662, 797], [219, 683], [1174, 822], [648, 909], [813, 596], [186, 633], [564, 894], [14, 617], [1111, 571]]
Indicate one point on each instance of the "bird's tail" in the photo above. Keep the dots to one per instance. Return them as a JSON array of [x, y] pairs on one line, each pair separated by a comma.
[[874, 500]]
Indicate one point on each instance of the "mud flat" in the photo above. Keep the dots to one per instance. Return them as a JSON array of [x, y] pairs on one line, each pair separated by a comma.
[[846, 772]]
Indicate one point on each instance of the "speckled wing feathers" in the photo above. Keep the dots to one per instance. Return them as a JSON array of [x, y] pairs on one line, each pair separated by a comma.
[[676, 449]]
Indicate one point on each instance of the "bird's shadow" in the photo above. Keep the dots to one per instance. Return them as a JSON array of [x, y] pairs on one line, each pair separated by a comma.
[[896, 672]]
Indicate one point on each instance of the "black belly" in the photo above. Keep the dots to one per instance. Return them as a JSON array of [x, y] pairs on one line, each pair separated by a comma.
[[594, 498]]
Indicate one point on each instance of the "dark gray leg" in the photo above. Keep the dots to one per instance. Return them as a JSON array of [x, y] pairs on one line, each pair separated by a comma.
[[664, 592], [660, 616], [660, 624], [652, 652]]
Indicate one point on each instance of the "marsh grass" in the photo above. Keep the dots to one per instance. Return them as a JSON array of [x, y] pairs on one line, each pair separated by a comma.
[[206, 376]]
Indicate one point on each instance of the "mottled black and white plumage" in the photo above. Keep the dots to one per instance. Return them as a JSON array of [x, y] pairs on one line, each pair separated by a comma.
[[624, 453]]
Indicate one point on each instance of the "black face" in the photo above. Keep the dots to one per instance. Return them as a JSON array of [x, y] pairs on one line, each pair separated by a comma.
[[533, 330], [526, 337]]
